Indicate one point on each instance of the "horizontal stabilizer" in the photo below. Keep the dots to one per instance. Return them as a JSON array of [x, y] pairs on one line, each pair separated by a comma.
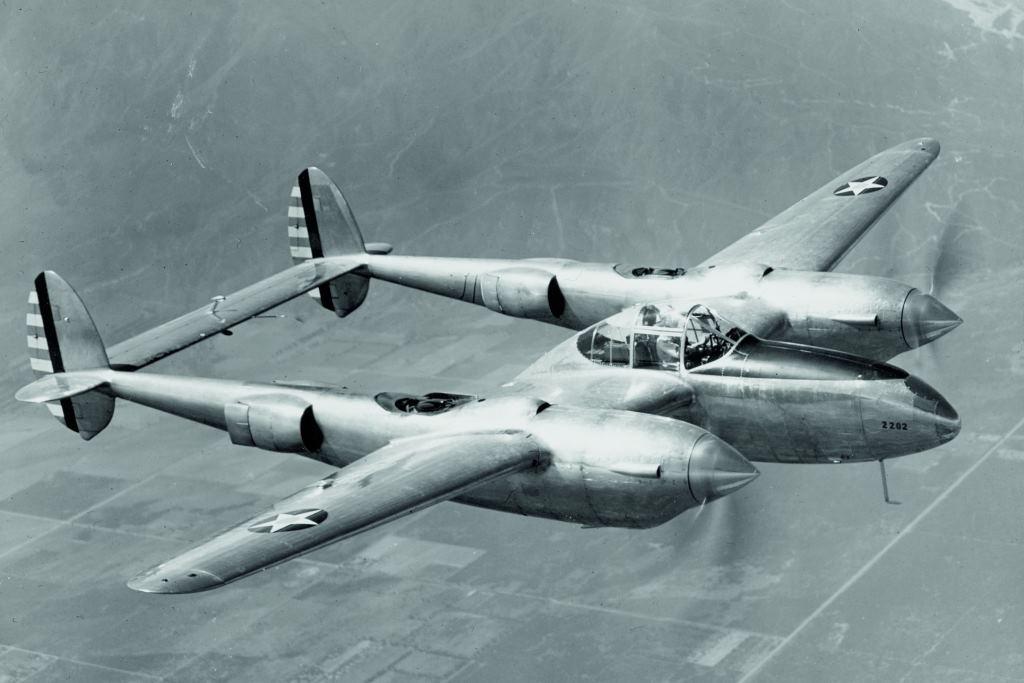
[[60, 386], [224, 312]]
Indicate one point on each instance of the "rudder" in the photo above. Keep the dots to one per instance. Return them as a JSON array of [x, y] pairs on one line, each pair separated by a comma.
[[63, 338]]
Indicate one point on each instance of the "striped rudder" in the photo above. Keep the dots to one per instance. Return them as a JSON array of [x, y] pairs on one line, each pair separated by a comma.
[[62, 338], [298, 235], [321, 224], [39, 357], [298, 241]]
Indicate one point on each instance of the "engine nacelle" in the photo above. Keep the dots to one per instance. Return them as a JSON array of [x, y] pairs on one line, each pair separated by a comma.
[[523, 293], [624, 469], [274, 423]]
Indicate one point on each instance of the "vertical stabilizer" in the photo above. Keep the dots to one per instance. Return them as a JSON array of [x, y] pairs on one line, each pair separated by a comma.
[[63, 338], [320, 223]]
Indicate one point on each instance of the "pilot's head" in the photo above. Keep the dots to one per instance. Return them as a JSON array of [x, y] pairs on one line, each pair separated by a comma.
[[649, 315]]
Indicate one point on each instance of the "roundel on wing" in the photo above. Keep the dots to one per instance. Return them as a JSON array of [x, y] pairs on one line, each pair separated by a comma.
[[294, 520], [867, 185]]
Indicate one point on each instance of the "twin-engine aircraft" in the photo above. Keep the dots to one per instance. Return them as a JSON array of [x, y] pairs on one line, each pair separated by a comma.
[[676, 380]]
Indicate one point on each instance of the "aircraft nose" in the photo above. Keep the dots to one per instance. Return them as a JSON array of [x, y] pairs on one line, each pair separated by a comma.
[[947, 422], [717, 469], [933, 404], [925, 319]]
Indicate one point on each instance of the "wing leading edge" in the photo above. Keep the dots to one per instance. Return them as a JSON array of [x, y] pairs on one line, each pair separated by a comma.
[[819, 230], [399, 479]]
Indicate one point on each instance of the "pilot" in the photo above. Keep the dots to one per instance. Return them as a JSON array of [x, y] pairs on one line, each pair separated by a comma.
[[644, 345], [649, 315]]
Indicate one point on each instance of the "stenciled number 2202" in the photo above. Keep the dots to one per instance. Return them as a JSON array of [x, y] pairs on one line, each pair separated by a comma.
[[894, 425]]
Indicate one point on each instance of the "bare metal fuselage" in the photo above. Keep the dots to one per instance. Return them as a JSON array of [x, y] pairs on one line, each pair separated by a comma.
[[609, 464], [775, 402], [867, 316], [624, 445], [601, 467]]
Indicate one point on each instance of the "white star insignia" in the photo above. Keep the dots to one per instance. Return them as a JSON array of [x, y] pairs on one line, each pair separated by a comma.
[[289, 521], [861, 186]]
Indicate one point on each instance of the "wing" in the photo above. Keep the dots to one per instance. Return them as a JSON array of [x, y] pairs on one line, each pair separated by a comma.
[[819, 230], [226, 312], [401, 478]]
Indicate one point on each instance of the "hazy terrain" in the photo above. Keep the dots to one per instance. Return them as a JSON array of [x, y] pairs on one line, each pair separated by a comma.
[[146, 154]]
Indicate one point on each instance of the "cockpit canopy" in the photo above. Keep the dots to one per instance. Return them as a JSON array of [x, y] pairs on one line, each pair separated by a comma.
[[660, 337]]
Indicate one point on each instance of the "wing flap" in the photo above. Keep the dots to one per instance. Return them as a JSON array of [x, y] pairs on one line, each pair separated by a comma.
[[226, 312], [819, 230], [397, 480]]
